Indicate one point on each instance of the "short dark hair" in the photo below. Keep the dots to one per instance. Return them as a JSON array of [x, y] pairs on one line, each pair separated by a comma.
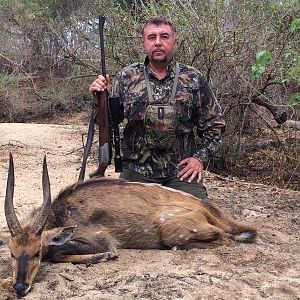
[[159, 20]]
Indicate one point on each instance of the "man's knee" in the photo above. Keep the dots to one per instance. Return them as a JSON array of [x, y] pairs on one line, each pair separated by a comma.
[[194, 188], [133, 176]]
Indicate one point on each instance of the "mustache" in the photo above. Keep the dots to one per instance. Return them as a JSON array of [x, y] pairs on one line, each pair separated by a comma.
[[158, 50]]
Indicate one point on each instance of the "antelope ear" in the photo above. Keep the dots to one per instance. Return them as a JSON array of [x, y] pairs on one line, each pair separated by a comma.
[[4, 239], [58, 236]]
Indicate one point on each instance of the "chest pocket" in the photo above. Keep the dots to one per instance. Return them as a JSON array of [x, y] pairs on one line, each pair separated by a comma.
[[160, 126], [160, 121]]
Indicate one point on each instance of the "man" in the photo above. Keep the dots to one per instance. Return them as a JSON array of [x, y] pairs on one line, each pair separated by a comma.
[[164, 104]]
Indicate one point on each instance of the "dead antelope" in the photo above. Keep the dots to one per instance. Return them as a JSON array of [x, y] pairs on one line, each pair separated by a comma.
[[87, 222]]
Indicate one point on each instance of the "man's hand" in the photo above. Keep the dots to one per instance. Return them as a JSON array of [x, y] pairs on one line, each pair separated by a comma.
[[192, 169], [100, 84]]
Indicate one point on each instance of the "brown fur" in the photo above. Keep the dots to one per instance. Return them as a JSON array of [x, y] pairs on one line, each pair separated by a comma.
[[88, 222], [142, 216]]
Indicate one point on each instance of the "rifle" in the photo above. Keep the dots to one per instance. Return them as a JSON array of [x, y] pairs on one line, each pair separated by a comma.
[[103, 123], [105, 148], [108, 120]]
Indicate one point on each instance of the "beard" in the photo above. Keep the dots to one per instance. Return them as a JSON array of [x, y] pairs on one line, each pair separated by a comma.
[[159, 57]]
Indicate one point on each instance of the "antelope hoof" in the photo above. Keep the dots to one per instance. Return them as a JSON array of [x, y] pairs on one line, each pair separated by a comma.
[[107, 256], [100, 257]]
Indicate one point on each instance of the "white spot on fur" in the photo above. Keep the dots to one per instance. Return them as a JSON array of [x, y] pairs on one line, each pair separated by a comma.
[[162, 218], [181, 236], [97, 232], [128, 230], [175, 248], [194, 230], [170, 215]]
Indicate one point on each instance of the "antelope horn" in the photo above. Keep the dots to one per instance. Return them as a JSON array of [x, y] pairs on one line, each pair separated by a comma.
[[10, 214], [42, 217]]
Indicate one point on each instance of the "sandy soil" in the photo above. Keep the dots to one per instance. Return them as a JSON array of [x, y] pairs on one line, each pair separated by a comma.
[[269, 269]]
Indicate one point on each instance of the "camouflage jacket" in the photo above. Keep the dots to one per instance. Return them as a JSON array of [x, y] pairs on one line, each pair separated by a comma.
[[197, 111]]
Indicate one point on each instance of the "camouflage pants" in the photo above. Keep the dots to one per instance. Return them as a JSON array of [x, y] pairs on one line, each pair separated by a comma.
[[194, 188]]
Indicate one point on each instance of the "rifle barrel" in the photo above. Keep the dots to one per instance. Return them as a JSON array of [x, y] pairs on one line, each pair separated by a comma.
[[102, 52]]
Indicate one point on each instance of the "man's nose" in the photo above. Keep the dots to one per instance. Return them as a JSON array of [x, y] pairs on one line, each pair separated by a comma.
[[158, 41]]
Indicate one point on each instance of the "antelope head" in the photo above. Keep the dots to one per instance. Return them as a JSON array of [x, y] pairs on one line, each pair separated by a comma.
[[25, 244]]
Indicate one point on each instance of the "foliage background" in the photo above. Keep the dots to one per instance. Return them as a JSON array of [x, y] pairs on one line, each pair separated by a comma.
[[248, 51]]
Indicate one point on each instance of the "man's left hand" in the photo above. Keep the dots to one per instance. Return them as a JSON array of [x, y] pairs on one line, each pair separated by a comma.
[[192, 169]]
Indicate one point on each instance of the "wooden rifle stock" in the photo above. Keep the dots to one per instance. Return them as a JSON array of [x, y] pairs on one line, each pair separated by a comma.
[[104, 158], [105, 148]]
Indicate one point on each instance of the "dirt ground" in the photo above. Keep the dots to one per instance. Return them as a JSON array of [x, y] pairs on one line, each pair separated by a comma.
[[267, 269]]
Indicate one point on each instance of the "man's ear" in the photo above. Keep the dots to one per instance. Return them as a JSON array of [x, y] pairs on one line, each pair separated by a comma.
[[4, 239], [58, 236]]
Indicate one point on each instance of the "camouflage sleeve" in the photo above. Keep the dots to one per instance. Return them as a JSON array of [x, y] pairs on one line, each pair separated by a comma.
[[208, 121]]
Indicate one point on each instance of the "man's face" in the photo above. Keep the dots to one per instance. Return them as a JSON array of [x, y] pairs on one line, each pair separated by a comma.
[[159, 43]]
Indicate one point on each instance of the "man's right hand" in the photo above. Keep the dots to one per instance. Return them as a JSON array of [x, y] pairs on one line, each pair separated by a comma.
[[100, 84]]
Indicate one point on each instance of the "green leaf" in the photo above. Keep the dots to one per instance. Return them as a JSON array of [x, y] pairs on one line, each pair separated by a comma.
[[295, 100], [263, 57], [294, 70], [295, 24]]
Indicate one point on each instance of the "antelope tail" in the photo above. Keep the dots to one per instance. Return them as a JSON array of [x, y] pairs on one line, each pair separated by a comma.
[[243, 233]]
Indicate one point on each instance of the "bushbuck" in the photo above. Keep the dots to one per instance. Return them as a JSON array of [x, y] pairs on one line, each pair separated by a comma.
[[88, 221]]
